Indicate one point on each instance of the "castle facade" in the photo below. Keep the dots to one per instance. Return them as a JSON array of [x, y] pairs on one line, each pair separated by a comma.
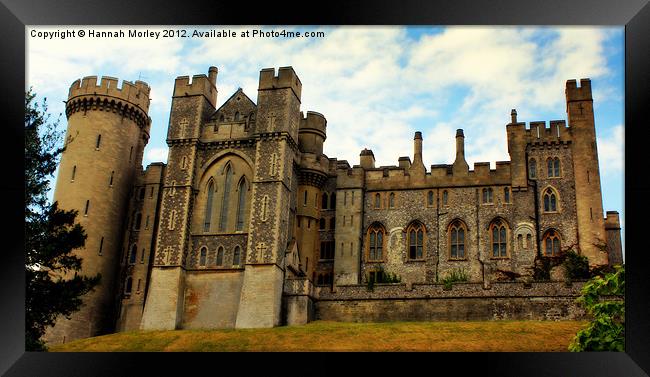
[[250, 225]]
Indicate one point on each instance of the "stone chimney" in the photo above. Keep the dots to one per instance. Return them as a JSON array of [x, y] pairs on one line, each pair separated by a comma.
[[513, 116], [460, 166], [417, 167], [367, 159]]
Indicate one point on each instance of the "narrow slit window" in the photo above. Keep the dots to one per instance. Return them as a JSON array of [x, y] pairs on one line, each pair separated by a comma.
[[87, 207], [99, 141], [236, 257], [101, 245], [110, 181], [74, 172]]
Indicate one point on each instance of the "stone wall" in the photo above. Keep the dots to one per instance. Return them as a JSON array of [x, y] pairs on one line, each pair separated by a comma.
[[464, 301]]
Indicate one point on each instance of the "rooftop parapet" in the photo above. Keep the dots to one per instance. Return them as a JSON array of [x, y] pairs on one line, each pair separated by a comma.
[[286, 78], [136, 94], [314, 122], [541, 131], [200, 85], [574, 92]]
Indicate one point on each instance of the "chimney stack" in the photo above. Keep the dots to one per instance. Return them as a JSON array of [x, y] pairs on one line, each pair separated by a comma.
[[513, 116], [460, 165]]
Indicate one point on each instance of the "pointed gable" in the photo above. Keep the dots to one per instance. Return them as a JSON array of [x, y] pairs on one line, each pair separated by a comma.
[[238, 108]]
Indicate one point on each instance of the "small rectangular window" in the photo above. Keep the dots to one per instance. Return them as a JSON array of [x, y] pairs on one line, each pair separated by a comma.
[[142, 257], [146, 223], [151, 192], [99, 141], [131, 154]]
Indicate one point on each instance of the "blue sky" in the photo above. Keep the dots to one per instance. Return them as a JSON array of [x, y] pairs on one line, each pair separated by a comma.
[[376, 85]]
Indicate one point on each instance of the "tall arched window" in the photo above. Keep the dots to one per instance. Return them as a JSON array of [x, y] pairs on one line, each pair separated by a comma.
[[208, 206], [333, 201], [236, 256], [487, 195], [220, 256], [430, 198], [551, 243], [237, 116], [506, 194], [550, 200], [138, 221], [553, 165], [225, 202], [415, 233], [391, 200], [241, 205], [532, 168], [203, 254], [375, 241], [499, 238], [128, 286], [377, 200], [324, 200], [456, 233], [445, 197], [133, 255]]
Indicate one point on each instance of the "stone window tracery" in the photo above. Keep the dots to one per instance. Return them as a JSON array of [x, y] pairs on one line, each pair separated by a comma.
[[553, 165], [415, 240], [375, 241], [499, 238], [456, 236], [550, 200], [551, 243]]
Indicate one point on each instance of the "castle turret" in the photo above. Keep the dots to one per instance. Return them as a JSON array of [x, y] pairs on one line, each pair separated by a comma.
[[108, 128], [614, 246], [367, 159], [589, 206]]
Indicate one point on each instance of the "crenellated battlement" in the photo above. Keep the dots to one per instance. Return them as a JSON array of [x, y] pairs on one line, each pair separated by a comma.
[[574, 92], [313, 122], [201, 84], [286, 78], [554, 131], [136, 94]]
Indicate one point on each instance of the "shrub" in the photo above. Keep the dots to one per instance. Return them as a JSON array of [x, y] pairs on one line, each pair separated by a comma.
[[455, 275], [576, 266], [606, 332]]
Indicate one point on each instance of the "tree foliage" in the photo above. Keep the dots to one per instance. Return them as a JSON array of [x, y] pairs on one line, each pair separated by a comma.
[[601, 297], [53, 286]]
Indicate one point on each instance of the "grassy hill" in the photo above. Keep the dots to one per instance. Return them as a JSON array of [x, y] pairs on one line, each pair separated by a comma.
[[507, 336]]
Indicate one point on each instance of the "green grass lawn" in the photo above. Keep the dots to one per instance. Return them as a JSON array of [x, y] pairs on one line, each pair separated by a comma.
[[506, 336]]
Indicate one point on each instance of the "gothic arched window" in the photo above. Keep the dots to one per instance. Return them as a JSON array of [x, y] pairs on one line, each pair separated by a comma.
[[391, 200], [225, 203], [499, 238], [129, 285], [220, 256], [430, 198], [551, 243], [415, 233], [203, 254], [237, 116], [532, 168], [487, 195], [375, 241], [236, 256], [456, 235], [553, 165], [208, 206], [377, 200], [506, 194], [133, 255], [241, 205], [550, 200], [445, 197]]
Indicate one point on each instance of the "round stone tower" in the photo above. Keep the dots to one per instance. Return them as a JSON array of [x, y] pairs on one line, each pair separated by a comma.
[[313, 173], [108, 128]]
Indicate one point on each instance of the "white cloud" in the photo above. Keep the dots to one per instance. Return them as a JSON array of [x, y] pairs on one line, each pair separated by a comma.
[[156, 155], [610, 152]]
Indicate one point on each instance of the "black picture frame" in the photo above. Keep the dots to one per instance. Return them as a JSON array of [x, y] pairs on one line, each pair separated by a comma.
[[634, 14]]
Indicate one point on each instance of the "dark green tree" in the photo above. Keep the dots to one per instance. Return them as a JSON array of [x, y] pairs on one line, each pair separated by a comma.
[[53, 286]]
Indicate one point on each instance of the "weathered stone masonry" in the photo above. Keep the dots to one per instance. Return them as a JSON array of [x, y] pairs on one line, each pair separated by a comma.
[[250, 224]]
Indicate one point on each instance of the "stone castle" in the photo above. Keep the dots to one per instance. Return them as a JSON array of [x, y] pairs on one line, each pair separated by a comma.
[[250, 225]]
